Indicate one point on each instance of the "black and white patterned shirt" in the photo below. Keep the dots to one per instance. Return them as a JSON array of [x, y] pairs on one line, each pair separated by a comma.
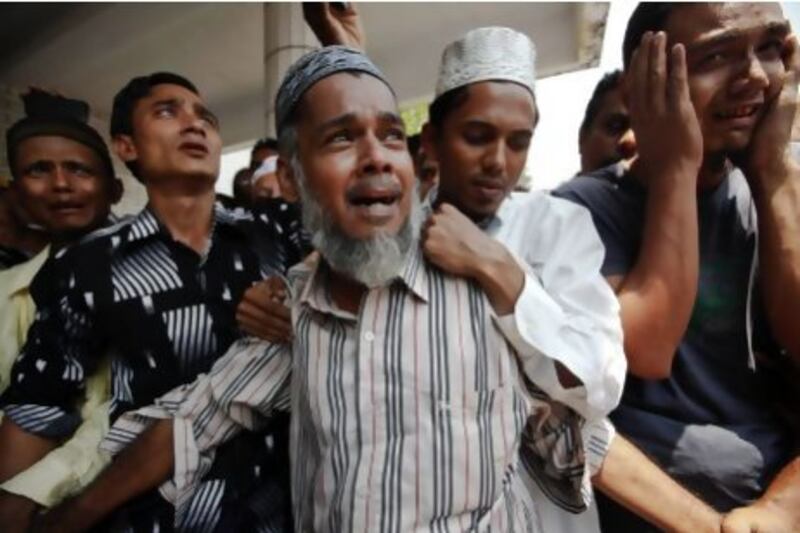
[[164, 313]]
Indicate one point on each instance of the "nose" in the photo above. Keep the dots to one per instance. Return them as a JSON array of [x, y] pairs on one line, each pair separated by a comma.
[[373, 156], [494, 159], [61, 179], [753, 77], [626, 145], [194, 122]]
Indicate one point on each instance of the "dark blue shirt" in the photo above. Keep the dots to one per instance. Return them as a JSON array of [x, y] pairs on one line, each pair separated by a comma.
[[712, 423]]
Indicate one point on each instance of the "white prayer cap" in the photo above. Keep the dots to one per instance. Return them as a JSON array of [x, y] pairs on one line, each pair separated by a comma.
[[491, 53], [269, 166]]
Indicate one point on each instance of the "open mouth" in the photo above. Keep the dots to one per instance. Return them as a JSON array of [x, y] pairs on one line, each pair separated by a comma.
[[66, 208], [376, 204], [739, 112], [195, 149]]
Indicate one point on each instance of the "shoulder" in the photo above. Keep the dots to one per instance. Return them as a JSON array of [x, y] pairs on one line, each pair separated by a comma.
[[594, 190], [98, 239], [540, 211]]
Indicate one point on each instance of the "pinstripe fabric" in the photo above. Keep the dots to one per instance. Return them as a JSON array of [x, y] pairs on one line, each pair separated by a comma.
[[408, 416]]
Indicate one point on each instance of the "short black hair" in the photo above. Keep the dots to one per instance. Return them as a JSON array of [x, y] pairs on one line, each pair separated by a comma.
[[136, 89], [448, 102], [445, 104], [267, 142], [609, 82], [648, 16], [414, 142]]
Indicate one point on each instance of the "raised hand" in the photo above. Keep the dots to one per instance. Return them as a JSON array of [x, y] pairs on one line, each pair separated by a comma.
[[335, 23], [668, 135], [767, 152]]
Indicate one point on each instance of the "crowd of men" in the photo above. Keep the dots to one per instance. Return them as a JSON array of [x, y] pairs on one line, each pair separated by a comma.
[[383, 334]]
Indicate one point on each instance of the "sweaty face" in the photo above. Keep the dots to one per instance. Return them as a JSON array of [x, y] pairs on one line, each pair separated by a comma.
[[174, 135], [735, 64], [482, 148], [61, 185], [353, 154], [609, 137]]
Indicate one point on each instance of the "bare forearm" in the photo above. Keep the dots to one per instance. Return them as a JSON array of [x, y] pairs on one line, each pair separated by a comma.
[[634, 481], [778, 207], [784, 491], [657, 295], [19, 450], [146, 464]]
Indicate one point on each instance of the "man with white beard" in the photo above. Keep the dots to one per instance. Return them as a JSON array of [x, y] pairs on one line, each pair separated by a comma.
[[408, 405]]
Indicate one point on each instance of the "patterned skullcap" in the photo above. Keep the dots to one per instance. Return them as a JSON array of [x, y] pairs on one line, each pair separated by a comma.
[[491, 53], [315, 66], [53, 115]]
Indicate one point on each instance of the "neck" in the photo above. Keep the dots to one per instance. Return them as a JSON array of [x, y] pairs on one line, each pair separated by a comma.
[[186, 214], [346, 293], [712, 171]]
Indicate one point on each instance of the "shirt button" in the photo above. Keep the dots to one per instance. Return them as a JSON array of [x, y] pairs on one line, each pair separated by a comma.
[[369, 336]]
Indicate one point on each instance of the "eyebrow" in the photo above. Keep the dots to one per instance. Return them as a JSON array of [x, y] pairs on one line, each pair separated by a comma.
[[341, 120], [481, 123], [201, 109], [778, 29], [166, 102]]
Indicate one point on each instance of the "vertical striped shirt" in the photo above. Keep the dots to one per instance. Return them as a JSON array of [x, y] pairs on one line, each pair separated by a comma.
[[407, 416]]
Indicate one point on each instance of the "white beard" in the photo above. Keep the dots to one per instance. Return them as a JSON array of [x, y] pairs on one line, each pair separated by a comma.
[[374, 261]]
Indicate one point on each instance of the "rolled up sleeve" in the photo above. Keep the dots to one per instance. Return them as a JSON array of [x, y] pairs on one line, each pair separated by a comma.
[[243, 389], [72, 466]]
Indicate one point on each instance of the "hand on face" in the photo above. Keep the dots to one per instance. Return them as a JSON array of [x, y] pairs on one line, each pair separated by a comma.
[[770, 140], [667, 130], [454, 243]]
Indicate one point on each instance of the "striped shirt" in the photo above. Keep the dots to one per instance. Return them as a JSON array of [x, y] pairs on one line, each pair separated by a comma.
[[165, 314], [412, 415]]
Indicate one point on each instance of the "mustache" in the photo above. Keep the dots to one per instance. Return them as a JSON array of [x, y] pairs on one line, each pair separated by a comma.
[[384, 182]]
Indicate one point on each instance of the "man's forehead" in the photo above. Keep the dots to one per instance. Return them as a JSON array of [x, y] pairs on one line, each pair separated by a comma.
[[347, 93], [708, 21], [169, 91], [54, 146]]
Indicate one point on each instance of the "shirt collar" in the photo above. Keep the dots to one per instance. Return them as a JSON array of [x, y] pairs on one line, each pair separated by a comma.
[[314, 293], [146, 223]]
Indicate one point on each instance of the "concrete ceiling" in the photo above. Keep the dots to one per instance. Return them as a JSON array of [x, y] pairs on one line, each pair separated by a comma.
[[90, 50]]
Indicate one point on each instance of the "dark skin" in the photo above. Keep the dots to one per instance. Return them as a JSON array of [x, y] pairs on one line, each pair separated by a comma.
[[177, 146], [69, 193], [342, 142], [608, 138], [742, 77]]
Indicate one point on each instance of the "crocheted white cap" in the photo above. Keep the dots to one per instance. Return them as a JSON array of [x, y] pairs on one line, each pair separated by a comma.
[[491, 53]]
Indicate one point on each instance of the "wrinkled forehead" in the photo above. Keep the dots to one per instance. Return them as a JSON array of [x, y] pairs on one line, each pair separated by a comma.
[[355, 95], [696, 23], [55, 148]]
